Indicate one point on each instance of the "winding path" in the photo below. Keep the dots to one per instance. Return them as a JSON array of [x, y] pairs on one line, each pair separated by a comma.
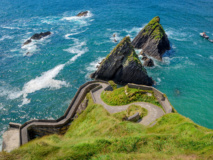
[[18, 134], [154, 112]]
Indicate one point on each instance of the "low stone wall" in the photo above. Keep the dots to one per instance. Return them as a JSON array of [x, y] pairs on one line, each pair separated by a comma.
[[93, 90], [162, 99], [38, 128]]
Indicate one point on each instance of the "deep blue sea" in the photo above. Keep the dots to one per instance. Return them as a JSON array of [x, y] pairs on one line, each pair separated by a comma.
[[40, 85]]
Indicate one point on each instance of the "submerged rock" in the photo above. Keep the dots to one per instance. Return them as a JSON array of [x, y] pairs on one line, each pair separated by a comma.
[[152, 39], [84, 13], [148, 62], [37, 36], [123, 66]]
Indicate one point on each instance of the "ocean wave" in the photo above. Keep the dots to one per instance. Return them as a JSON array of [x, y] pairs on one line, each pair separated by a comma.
[[32, 47], [134, 30], [176, 35], [211, 57], [74, 32], [117, 37], [6, 37], [77, 47], [92, 65], [74, 18], [7, 27], [46, 80]]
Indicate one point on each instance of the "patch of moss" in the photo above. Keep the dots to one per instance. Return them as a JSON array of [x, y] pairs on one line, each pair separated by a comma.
[[154, 28], [134, 57]]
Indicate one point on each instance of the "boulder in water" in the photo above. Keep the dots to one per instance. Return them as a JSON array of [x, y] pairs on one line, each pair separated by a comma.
[[152, 39], [82, 14], [37, 36], [148, 62], [123, 66]]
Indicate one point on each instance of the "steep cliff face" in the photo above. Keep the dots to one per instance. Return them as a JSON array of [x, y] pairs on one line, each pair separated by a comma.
[[152, 39], [123, 66]]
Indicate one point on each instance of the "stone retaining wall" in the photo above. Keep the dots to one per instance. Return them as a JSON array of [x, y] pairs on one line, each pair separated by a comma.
[[38, 128], [162, 99]]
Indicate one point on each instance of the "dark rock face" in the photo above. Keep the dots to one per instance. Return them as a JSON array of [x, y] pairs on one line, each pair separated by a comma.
[[84, 13], [40, 35], [27, 42], [148, 63], [152, 39], [123, 66], [37, 36]]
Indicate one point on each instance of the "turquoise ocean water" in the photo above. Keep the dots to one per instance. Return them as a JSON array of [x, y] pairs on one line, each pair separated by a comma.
[[40, 85]]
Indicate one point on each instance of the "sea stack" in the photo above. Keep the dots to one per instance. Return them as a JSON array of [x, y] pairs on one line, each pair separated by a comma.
[[123, 66], [152, 39]]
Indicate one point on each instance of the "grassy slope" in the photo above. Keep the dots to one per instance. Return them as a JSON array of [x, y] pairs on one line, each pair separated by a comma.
[[119, 96], [155, 26], [98, 135]]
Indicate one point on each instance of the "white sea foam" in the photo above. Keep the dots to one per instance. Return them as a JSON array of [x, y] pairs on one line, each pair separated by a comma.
[[31, 47], [199, 55], [211, 57], [117, 37], [6, 37], [6, 27], [74, 18], [74, 32], [47, 79], [176, 35], [92, 65], [134, 29]]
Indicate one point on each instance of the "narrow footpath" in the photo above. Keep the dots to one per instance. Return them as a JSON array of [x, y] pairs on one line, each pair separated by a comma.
[[154, 112]]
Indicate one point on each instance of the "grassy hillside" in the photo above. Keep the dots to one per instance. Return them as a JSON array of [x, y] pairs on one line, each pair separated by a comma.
[[96, 134]]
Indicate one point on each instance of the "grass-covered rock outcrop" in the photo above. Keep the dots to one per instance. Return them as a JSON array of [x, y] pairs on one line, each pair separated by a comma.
[[123, 66], [126, 95], [152, 39], [96, 134]]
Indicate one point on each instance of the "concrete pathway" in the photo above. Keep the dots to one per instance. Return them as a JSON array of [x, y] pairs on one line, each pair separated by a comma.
[[12, 139], [154, 112]]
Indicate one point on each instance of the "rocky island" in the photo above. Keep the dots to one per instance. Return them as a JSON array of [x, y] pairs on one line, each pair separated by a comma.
[[152, 39], [123, 66], [82, 14], [37, 36]]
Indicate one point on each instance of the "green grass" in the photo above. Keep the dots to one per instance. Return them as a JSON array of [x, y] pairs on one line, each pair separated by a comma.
[[155, 26], [96, 134], [113, 84], [131, 110], [125, 95]]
